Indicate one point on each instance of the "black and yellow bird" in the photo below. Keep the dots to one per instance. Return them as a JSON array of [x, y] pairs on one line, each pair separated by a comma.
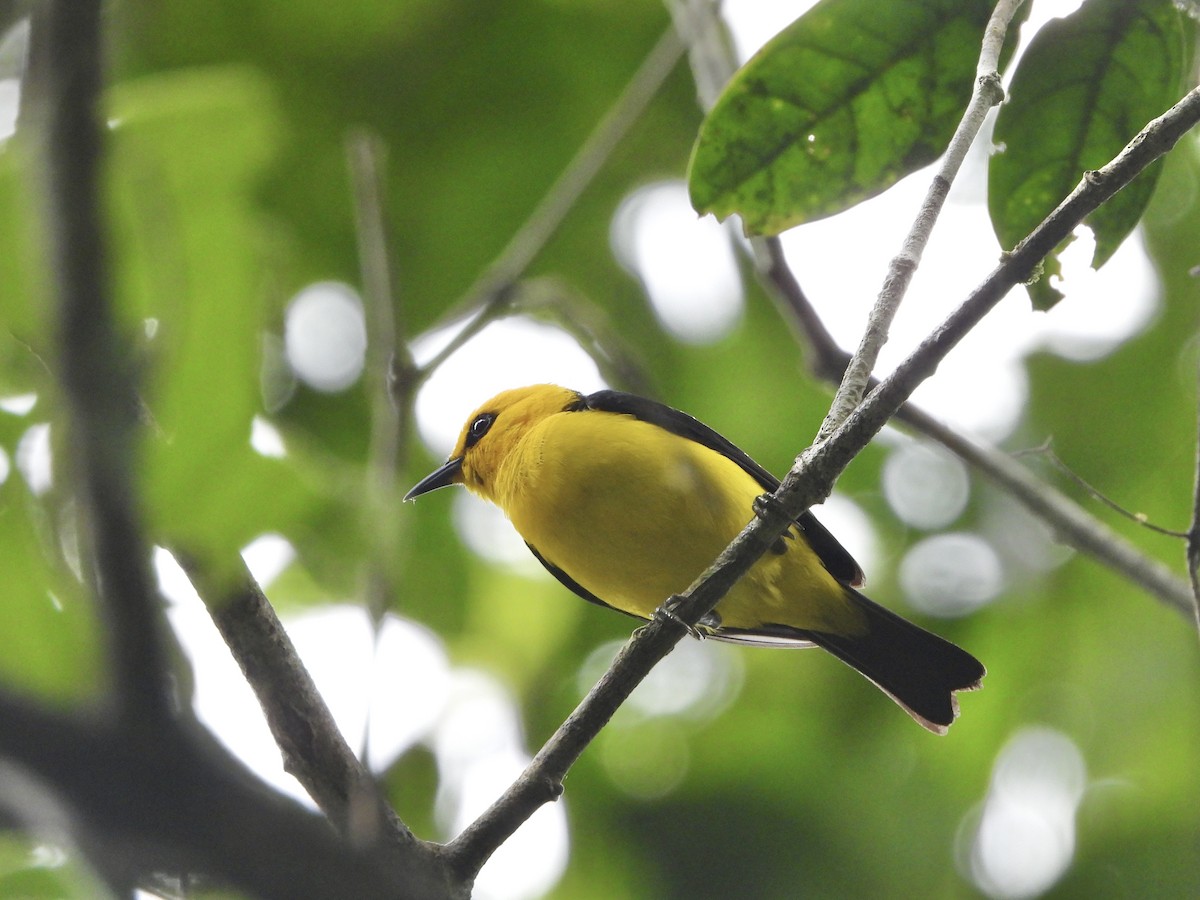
[[626, 501]]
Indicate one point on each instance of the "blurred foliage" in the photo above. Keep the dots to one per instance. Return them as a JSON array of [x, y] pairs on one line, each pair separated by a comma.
[[229, 192]]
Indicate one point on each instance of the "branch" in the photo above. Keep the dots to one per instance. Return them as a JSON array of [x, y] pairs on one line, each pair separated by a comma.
[[93, 360], [808, 482], [1071, 524], [180, 804], [313, 748], [986, 94], [1046, 450]]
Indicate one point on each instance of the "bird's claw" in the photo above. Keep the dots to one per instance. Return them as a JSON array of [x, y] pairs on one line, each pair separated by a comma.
[[668, 611], [765, 505]]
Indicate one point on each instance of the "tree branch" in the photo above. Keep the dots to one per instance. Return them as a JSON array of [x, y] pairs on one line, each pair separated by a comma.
[[180, 804], [1070, 523], [313, 748], [808, 482], [986, 94], [93, 363]]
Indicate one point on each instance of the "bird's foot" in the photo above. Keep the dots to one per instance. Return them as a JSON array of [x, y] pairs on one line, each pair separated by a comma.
[[668, 611], [765, 505]]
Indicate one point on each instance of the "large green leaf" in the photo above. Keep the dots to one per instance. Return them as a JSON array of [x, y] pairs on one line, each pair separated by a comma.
[[1085, 87], [185, 155], [839, 106]]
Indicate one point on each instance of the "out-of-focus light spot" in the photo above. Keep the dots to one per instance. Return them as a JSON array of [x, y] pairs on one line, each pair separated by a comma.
[[266, 439], [852, 527], [10, 101], [277, 381], [479, 752], [33, 458], [267, 556], [1025, 837], [951, 574], [1102, 308], [48, 856], [697, 679], [480, 719], [510, 353], [980, 392], [150, 328], [647, 760], [644, 750], [1024, 542], [487, 532], [926, 486], [399, 678], [686, 264], [325, 336], [18, 404]]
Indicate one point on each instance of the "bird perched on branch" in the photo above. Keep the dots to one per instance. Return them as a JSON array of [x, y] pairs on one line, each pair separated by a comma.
[[626, 501]]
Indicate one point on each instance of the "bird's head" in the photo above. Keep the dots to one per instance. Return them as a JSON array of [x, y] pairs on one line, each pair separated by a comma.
[[490, 434]]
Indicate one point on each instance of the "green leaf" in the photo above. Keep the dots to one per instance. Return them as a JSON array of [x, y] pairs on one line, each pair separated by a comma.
[[1087, 84], [844, 102], [49, 635], [186, 154], [24, 295]]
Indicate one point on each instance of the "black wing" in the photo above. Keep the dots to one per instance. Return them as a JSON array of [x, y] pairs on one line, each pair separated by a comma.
[[836, 559]]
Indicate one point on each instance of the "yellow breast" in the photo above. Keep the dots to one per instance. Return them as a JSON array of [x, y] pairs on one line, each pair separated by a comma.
[[634, 514]]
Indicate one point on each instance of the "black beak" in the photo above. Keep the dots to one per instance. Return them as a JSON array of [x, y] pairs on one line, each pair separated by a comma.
[[441, 477]]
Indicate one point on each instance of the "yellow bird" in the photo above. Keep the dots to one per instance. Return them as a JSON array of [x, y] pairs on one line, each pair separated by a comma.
[[626, 501]]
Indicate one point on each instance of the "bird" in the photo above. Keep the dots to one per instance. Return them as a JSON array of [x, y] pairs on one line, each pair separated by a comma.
[[626, 500]]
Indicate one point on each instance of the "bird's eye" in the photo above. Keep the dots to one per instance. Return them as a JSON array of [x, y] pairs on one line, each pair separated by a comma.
[[479, 428]]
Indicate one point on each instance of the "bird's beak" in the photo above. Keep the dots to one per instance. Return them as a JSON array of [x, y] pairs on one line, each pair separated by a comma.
[[445, 475]]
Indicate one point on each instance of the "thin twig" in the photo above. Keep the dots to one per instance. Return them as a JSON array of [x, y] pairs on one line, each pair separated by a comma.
[[487, 298], [387, 352], [94, 364], [810, 480], [986, 94], [1070, 523], [391, 412], [1046, 451], [387, 347]]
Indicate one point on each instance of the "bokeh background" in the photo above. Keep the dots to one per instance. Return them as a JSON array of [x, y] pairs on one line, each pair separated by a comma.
[[731, 772]]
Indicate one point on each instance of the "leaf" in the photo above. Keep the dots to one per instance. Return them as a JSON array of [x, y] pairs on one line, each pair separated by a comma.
[[839, 106], [1083, 89], [49, 635], [185, 157]]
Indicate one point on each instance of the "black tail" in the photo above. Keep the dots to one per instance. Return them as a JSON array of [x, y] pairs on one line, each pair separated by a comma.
[[917, 669]]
